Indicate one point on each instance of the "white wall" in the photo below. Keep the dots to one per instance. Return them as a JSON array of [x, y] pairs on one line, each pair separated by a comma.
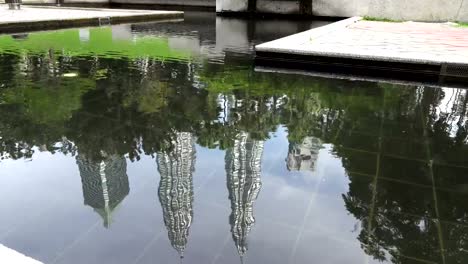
[[231, 5], [417, 10], [203, 3], [278, 6], [66, 1]]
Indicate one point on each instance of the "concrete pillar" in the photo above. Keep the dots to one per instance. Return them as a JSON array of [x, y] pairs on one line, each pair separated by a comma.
[[232, 5]]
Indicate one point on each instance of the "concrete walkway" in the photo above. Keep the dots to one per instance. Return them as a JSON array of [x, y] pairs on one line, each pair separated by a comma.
[[42, 17], [8, 255], [355, 39]]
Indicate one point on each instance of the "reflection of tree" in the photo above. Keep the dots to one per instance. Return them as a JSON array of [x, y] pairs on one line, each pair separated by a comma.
[[243, 163], [176, 188], [398, 223]]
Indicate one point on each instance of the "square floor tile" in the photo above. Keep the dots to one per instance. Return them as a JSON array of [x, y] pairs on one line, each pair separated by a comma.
[[211, 226], [282, 203], [405, 198], [451, 178], [369, 125], [358, 141], [330, 212], [404, 127], [316, 247], [405, 170], [447, 153], [267, 242], [357, 161], [455, 242], [453, 206], [406, 238], [405, 148]]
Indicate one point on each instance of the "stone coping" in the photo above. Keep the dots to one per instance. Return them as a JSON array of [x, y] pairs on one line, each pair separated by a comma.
[[350, 77], [31, 18], [377, 45]]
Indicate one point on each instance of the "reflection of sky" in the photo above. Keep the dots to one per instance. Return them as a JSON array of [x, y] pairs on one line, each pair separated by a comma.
[[300, 216], [447, 106], [310, 202]]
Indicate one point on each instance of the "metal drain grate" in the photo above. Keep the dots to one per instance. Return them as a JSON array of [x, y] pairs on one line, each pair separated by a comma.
[[454, 70]]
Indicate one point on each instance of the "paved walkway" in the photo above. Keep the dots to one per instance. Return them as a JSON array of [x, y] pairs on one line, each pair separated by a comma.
[[431, 43], [38, 15]]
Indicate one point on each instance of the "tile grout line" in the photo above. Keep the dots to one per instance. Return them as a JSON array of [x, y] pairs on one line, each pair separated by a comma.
[[77, 240], [304, 221], [434, 191], [217, 256], [418, 259], [419, 185], [377, 172], [17, 226], [147, 247]]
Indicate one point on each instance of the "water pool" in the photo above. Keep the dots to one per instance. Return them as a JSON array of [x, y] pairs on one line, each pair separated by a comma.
[[161, 143]]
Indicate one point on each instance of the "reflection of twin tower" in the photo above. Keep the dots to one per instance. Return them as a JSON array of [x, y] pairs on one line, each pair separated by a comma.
[[105, 185], [243, 163], [176, 187]]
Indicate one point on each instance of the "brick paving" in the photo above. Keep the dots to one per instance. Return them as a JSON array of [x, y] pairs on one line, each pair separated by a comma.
[[433, 43]]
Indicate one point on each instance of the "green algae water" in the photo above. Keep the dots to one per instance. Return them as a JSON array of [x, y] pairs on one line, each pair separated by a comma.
[[162, 143]]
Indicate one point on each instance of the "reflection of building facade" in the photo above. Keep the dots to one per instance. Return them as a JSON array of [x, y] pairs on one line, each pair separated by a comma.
[[176, 188], [243, 165], [303, 156], [105, 184]]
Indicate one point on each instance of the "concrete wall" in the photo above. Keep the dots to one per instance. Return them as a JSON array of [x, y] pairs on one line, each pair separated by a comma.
[[278, 6], [201, 3], [417, 10], [86, 1], [66, 1], [263, 6], [231, 5]]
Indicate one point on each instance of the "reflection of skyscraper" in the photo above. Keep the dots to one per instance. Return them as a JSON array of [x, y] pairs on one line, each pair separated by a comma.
[[303, 156], [105, 184], [243, 165], [176, 188]]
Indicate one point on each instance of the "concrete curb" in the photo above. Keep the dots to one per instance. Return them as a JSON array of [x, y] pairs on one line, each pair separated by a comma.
[[362, 78], [303, 37], [118, 16], [295, 45], [139, 11]]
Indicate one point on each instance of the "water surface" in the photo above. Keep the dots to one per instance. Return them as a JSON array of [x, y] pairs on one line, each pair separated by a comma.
[[161, 143]]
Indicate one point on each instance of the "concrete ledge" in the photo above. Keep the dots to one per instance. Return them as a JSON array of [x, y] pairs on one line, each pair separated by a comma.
[[288, 44], [396, 50], [362, 78], [200, 3], [32, 18]]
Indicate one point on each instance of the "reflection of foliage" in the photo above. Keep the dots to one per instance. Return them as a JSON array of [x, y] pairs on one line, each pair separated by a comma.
[[100, 42], [45, 104], [151, 97]]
